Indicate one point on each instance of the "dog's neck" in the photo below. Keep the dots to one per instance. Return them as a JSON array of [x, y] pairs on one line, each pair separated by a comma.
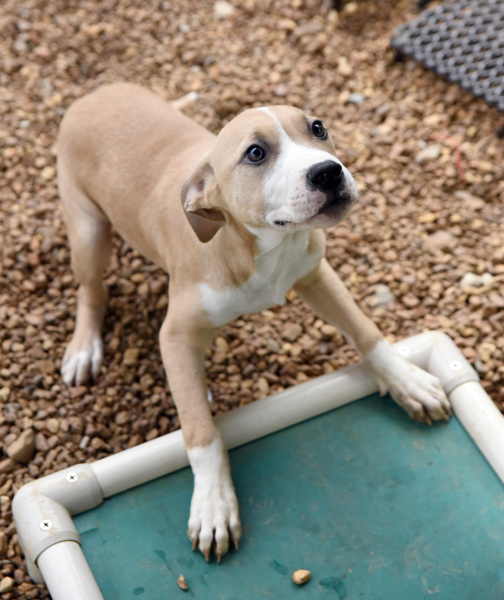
[[247, 250], [278, 254], [274, 261], [267, 239]]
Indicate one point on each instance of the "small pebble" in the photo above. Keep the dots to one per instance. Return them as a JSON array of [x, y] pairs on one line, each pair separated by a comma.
[[350, 8], [4, 543], [48, 173], [356, 98], [47, 367], [53, 425], [382, 295], [273, 346], [182, 583], [130, 357], [292, 331], [429, 153], [473, 280], [444, 240], [122, 417], [84, 442], [223, 9], [7, 465], [301, 576], [23, 448], [6, 585]]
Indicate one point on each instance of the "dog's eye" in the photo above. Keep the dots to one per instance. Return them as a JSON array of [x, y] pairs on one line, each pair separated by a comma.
[[255, 154], [318, 130]]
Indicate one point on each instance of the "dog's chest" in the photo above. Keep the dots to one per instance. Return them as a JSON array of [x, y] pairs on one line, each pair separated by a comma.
[[277, 268]]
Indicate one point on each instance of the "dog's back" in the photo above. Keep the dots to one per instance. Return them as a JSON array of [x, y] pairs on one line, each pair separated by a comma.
[[122, 136], [118, 145]]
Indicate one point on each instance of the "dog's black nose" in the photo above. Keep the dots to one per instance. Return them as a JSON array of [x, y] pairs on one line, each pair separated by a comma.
[[325, 176]]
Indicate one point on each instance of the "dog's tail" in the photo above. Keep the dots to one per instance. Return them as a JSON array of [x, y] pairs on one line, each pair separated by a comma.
[[185, 101]]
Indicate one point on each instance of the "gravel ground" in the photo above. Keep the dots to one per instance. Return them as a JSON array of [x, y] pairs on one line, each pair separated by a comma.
[[429, 226]]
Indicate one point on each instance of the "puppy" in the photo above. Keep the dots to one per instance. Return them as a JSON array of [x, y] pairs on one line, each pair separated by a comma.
[[236, 222]]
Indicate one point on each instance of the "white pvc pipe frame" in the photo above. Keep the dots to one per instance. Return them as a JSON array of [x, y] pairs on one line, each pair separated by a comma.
[[43, 508]]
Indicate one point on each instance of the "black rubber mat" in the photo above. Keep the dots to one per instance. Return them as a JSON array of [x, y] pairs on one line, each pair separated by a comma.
[[462, 41]]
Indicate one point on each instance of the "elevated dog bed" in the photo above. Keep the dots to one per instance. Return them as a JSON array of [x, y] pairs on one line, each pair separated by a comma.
[[374, 505]]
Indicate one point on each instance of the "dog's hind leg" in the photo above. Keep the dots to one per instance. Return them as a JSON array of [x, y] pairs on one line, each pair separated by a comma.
[[90, 243]]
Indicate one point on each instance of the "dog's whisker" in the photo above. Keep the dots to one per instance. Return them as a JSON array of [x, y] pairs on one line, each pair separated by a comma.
[[367, 185]]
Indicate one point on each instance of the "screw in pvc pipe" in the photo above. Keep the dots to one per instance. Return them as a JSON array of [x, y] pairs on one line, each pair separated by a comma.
[[46, 524], [72, 477], [455, 365], [403, 350]]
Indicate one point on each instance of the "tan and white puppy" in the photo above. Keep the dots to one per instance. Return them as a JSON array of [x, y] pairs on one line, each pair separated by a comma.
[[236, 222]]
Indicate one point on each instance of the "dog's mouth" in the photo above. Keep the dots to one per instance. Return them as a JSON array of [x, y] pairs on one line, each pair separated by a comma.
[[333, 208]]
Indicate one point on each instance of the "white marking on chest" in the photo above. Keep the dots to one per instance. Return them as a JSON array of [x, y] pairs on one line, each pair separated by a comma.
[[283, 259]]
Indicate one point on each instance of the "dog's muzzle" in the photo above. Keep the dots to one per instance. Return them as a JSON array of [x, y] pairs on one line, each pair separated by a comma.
[[326, 176]]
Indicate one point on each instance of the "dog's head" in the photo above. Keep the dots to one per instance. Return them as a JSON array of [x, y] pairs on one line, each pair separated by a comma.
[[270, 167]]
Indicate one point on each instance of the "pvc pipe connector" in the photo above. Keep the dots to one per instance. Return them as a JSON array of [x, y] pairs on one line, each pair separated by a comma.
[[43, 508], [448, 363]]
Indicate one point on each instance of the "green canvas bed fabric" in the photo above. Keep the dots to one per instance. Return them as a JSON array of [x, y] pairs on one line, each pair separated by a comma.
[[375, 506]]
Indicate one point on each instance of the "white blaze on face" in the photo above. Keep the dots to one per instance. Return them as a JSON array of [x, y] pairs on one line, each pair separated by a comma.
[[286, 195]]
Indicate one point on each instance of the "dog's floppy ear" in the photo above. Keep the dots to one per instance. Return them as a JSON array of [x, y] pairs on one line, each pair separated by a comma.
[[199, 194]]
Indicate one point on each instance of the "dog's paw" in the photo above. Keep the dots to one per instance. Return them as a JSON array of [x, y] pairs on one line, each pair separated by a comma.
[[214, 508], [82, 360], [418, 392]]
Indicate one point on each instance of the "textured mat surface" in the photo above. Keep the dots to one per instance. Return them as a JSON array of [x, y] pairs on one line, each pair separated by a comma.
[[462, 40], [375, 506]]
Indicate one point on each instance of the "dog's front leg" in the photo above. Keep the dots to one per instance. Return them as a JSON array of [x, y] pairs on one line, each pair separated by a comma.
[[417, 391], [214, 507]]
